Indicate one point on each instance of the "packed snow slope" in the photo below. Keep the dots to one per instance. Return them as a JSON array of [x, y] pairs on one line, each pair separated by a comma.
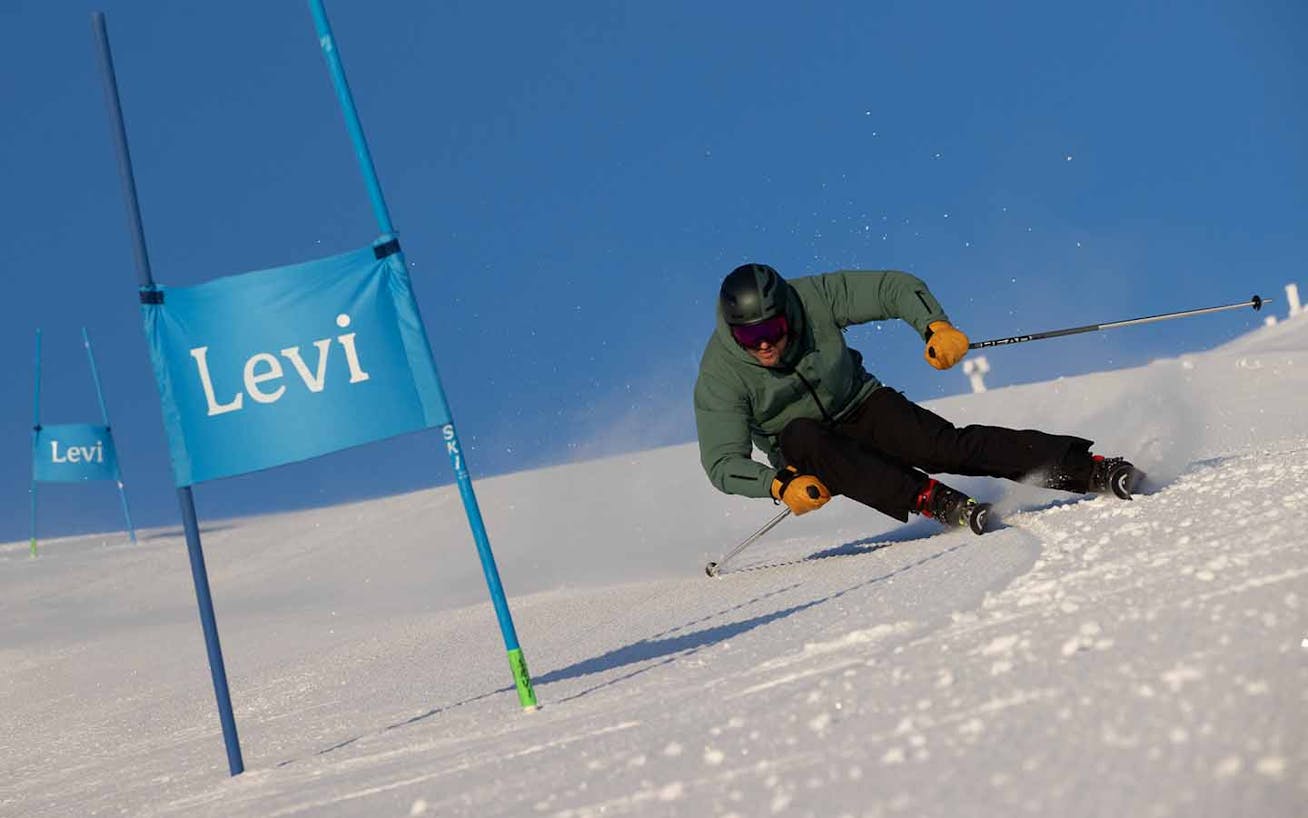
[[1095, 657]]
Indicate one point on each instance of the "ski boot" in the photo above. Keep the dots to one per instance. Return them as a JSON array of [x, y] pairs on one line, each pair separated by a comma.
[[952, 507], [1115, 474]]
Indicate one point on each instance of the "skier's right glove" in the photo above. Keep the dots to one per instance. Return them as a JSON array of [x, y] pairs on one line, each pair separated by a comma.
[[802, 493], [946, 345]]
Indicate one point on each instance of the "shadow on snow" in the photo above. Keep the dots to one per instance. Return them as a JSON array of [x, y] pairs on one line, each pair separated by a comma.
[[662, 649]]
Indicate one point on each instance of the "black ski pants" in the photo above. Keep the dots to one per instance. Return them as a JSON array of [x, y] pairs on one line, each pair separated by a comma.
[[880, 453]]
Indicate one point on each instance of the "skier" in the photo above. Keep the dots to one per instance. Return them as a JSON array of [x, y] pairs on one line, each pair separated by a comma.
[[777, 374]]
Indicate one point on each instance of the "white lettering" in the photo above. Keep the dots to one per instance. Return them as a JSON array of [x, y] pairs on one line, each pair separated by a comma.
[[253, 379], [351, 356], [313, 381], [452, 448], [263, 367], [88, 454], [200, 354], [77, 454]]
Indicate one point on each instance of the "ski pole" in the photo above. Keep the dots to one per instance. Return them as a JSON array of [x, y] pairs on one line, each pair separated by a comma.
[[713, 568], [1256, 302]]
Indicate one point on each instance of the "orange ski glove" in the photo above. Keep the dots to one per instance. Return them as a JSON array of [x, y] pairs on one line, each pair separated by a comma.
[[946, 345], [802, 493]]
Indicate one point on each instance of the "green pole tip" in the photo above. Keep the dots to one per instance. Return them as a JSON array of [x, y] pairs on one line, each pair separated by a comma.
[[522, 680]]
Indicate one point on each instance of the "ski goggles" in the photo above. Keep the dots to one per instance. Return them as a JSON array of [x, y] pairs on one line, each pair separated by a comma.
[[770, 331]]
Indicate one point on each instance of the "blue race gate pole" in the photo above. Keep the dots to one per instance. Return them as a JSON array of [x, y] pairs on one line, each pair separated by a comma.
[[104, 413], [517, 662], [36, 429], [217, 669], [185, 499]]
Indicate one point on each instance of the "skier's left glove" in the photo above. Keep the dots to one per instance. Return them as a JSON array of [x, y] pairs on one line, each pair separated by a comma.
[[946, 345], [802, 493]]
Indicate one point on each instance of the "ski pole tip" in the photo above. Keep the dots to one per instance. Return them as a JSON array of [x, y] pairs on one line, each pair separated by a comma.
[[711, 569]]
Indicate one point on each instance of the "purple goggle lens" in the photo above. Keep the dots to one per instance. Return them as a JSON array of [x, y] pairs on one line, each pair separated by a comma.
[[754, 336]]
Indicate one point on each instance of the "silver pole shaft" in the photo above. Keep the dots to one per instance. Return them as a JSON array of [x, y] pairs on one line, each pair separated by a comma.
[[1256, 302], [714, 568], [1152, 318]]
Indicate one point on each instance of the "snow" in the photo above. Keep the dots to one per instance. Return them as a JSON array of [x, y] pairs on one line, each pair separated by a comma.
[[1093, 657]]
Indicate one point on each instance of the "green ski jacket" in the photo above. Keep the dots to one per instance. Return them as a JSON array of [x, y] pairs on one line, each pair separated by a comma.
[[740, 404]]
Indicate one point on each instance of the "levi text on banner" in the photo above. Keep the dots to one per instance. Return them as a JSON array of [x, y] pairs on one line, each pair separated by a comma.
[[280, 365]]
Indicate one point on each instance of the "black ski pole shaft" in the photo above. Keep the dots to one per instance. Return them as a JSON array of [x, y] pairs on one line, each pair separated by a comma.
[[1256, 302], [713, 568]]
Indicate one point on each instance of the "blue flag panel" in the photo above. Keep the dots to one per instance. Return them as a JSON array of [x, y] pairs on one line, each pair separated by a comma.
[[274, 366], [73, 452]]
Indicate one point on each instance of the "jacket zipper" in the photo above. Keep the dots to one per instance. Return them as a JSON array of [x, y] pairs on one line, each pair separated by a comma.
[[830, 420]]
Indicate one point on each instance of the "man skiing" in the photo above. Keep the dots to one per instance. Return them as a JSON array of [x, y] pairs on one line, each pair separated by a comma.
[[777, 374]]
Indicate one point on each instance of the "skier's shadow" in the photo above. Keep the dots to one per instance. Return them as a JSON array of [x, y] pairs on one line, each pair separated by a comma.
[[668, 646], [661, 650], [659, 645]]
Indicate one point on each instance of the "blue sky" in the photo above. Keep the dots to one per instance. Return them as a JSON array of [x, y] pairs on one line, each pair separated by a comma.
[[571, 182]]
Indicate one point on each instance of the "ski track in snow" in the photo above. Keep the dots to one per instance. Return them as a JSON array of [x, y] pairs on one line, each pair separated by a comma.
[[1089, 658]]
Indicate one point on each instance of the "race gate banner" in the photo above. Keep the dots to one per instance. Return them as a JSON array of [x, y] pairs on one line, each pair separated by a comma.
[[280, 365], [74, 452]]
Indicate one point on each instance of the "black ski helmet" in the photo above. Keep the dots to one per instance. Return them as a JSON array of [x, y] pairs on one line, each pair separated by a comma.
[[752, 293]]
